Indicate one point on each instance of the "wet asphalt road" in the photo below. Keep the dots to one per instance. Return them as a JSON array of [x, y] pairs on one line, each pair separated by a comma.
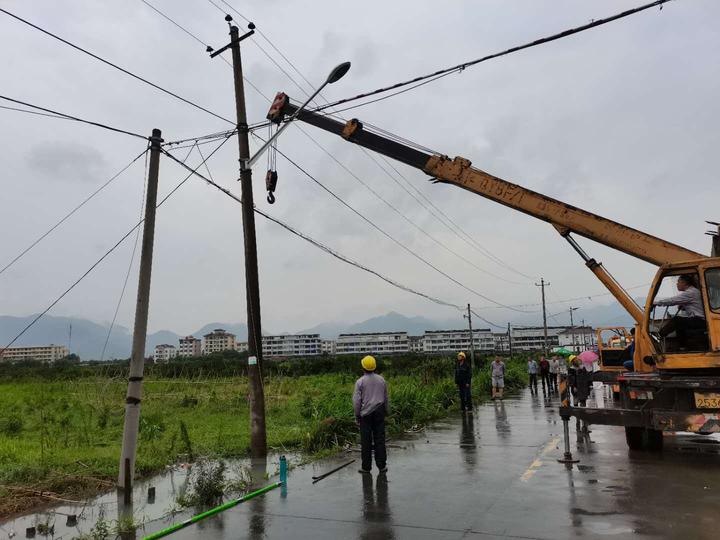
[[491, 475], [495, 475]]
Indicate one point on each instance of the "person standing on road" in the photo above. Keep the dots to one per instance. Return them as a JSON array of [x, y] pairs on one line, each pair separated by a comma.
[[554, 370], [497, 372], [463, 379], [371, 405], [532, 372], [545, 373]]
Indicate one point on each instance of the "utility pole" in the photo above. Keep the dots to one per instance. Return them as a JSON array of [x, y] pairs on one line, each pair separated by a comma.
[[572, 328], [542, 286], [510, 341], [137, 360], [472, 344], [258, 438]]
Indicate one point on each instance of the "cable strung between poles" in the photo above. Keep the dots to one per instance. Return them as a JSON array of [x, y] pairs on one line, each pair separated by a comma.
[[108, 252], [460, 67], [78, 207], [327, 249], [70, 117], [131, 74]]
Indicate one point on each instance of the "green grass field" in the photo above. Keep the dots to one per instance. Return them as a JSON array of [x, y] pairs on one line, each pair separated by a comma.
[[64, 435]]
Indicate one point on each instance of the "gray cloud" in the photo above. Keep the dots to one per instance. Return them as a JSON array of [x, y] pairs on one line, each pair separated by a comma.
[[64, 161]]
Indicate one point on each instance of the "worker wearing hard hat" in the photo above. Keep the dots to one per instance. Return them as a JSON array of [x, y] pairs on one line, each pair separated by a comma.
[[371, 405], [463, 379]]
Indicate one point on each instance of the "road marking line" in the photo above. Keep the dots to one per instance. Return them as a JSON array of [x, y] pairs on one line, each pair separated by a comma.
[[537, 462]]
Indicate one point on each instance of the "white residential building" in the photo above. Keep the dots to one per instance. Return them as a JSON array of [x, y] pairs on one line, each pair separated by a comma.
[[43, 353], [416, 344], [241, 346], [436, 341], [328, 346], [190, 346], [531, 338], [218, 340], [501, 342], [292, 345], [373, 343], [164, 353], [577, 339]]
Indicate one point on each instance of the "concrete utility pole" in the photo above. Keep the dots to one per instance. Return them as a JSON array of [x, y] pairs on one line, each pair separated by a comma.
[[542, 286], [472, 344], [572, 328], [258, 438], [510, 340], [137, 360]]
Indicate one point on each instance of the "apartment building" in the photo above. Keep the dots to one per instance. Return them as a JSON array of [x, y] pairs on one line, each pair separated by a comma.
[[164, 353], [373, 343], [436, 341], [189, 347], [532, 338], [241, 346], [577, 339], [292, 345], [43, 353], [328, 346], [416, 344], [218, 340]]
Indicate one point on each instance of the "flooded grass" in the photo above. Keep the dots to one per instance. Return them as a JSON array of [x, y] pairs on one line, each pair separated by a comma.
[[62, 438]]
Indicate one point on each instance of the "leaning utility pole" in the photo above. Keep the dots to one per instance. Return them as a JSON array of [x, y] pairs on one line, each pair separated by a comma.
[[137, 360], [472, 344], [258, 438], [542, 286]]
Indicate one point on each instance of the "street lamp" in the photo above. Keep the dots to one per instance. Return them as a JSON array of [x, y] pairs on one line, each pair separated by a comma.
[[335, 75]]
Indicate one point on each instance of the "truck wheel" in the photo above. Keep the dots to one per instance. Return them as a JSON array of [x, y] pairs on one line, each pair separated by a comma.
[[634, 438], [654, 440]]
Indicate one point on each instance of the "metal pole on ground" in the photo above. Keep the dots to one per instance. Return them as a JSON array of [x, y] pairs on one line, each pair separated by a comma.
[[542, 286], [565, 404], [472, 344], [137, 360]]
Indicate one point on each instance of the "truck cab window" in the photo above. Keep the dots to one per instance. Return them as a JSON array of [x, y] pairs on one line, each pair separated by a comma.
[[712, 283], [678, 319]]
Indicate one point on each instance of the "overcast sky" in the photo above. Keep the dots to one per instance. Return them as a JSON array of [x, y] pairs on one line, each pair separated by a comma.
[[621, 120]]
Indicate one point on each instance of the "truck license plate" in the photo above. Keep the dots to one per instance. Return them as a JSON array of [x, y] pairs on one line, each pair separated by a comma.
[[707, 400]]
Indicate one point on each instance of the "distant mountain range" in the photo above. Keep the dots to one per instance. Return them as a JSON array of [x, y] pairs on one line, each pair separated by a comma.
[[88, 337]]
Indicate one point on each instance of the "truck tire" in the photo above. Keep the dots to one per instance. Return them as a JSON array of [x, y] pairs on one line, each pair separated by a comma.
[[654, 440], [634, 436]]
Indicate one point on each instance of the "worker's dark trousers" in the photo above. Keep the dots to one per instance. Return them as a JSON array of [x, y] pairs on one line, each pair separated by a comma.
[[533, 381], [372, 438], [545, 378], [465, 397], [553, 381]]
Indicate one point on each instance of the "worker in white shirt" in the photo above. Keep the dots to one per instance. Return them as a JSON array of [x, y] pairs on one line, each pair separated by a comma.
[[691, 313]]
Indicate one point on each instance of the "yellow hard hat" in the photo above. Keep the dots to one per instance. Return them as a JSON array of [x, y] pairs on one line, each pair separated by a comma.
[[368, 363], [572, 357], [461, 355]]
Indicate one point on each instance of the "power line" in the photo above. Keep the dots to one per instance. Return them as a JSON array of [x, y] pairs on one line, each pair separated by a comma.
[[107, 62], [32, 112], [460, 67], [132, 260], [107, 253], [392, 238], [196, 38], [56, 114], [401, 215], [78, 207], [453, 230], [319, 244], [455, 226]]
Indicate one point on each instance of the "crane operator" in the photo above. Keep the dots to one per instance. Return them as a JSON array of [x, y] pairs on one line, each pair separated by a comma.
[[690, 315]]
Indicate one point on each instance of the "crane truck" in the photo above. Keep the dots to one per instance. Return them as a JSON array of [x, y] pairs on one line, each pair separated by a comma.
[[675, 385]]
